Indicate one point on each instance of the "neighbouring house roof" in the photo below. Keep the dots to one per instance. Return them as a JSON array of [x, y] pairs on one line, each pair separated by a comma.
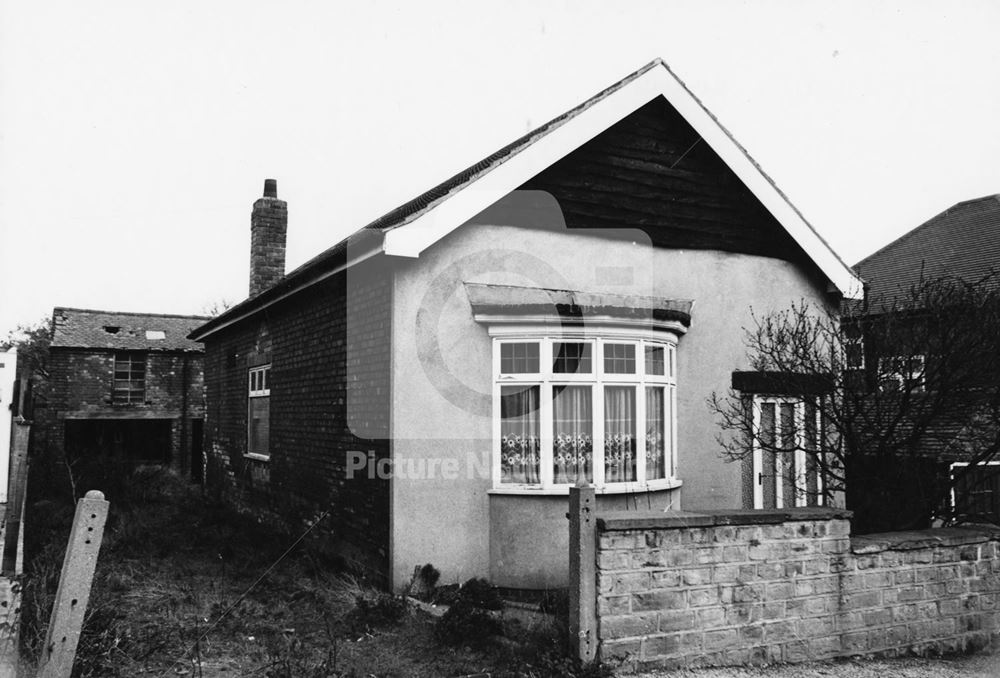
[[963, 241], [417, 224], [86, 328]]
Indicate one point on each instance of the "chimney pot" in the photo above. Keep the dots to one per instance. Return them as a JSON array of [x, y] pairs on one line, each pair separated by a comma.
[[270, 188]]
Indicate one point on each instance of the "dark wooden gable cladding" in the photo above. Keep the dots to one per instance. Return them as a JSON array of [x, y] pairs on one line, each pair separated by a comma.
[[653, 172]]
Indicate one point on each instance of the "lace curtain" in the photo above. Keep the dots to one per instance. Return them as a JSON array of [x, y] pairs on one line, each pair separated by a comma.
[[519, 440], [619, 434], [572, 441], [655, 433]]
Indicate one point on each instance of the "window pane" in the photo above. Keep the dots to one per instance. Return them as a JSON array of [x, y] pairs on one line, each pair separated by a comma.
[[260, 426], [572, 434], [519, 434], [521, 358], [654, 360], [767, 441], [656, 433], [619, 358], [854, 355], [788, 445], [572, 358], [619, 434], [129, 383], [810, 441]]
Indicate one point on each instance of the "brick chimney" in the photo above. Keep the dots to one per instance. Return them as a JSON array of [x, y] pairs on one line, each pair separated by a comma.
[[268, 224]]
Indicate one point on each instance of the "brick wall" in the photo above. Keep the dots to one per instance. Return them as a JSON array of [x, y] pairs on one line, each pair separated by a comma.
[[684, 589], [268, 224], [318, 384], [80, 385]]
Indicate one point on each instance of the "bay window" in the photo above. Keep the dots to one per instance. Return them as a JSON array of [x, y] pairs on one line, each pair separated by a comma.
[[594, 408]]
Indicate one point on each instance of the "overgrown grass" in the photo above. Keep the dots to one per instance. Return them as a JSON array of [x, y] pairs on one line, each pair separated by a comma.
[[172, 595]]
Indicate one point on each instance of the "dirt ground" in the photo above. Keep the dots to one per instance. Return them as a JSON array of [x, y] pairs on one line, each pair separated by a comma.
[[975, 666]]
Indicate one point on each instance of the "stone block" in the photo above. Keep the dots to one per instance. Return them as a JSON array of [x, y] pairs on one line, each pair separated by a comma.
[[610, 605], [708, 595], [662, 645], [627, 626], [679, 620], [724, 639], [710, 617], [696, 576], [659, 600]]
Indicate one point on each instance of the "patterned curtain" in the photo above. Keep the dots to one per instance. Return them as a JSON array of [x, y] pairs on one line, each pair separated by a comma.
[[619, 434], [519, 441], [572, 437], [655, 434]]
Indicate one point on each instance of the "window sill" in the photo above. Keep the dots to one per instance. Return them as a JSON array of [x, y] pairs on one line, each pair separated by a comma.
[[257, 457], [563, 490]]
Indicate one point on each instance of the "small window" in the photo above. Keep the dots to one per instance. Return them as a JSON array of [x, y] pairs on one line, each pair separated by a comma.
[[153, 335], [129, 386], [259, 411], [975, 494], [519, 358], [572, 357], [901, 373], [619, 358], [259, 381]]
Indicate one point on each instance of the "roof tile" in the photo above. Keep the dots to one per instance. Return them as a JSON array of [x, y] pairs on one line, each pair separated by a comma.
[[86, 328]]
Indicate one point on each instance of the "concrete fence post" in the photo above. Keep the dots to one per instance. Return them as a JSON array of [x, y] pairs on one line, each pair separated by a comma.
[[77, 576], [583, 572]]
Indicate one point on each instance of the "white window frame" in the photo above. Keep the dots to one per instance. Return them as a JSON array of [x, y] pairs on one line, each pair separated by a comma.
[[546, 379], [780, 460], [258, 386], [957, 464]]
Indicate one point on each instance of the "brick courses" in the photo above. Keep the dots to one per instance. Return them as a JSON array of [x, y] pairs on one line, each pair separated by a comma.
[[328, 346], [80, 386], [685, 590]]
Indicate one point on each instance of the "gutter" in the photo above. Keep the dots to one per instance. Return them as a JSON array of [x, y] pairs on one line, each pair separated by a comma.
[[293, 283]]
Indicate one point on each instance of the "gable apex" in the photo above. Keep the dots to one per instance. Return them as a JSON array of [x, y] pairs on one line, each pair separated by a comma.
[[416, 225]]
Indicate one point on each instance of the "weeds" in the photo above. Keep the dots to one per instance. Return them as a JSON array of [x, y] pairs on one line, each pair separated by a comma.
[[172, 564], [376, 609]]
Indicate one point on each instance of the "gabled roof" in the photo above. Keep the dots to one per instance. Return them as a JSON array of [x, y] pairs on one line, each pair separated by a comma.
[[417, 224], [963, 241], [86, 328]]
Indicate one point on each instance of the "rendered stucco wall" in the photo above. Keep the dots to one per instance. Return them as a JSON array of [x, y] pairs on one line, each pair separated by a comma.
[[442, 372]]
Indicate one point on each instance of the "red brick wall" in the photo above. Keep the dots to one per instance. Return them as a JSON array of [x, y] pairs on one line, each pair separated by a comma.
[[305, 338], [683, 589]]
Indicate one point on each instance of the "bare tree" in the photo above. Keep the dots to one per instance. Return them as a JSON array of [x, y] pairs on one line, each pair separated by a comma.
[[216, 307], [906, 398]]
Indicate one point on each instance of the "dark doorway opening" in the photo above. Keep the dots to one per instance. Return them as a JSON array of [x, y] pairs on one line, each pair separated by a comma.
[[124, 441], [197, 461]]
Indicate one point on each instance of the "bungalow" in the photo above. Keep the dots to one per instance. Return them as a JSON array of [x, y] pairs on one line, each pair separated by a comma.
[[560, 312]]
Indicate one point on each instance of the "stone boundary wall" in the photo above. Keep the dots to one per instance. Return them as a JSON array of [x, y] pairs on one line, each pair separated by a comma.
[[725, 588]]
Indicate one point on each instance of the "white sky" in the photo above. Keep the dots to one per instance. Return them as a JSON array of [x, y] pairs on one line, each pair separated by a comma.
[[134, 136]]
